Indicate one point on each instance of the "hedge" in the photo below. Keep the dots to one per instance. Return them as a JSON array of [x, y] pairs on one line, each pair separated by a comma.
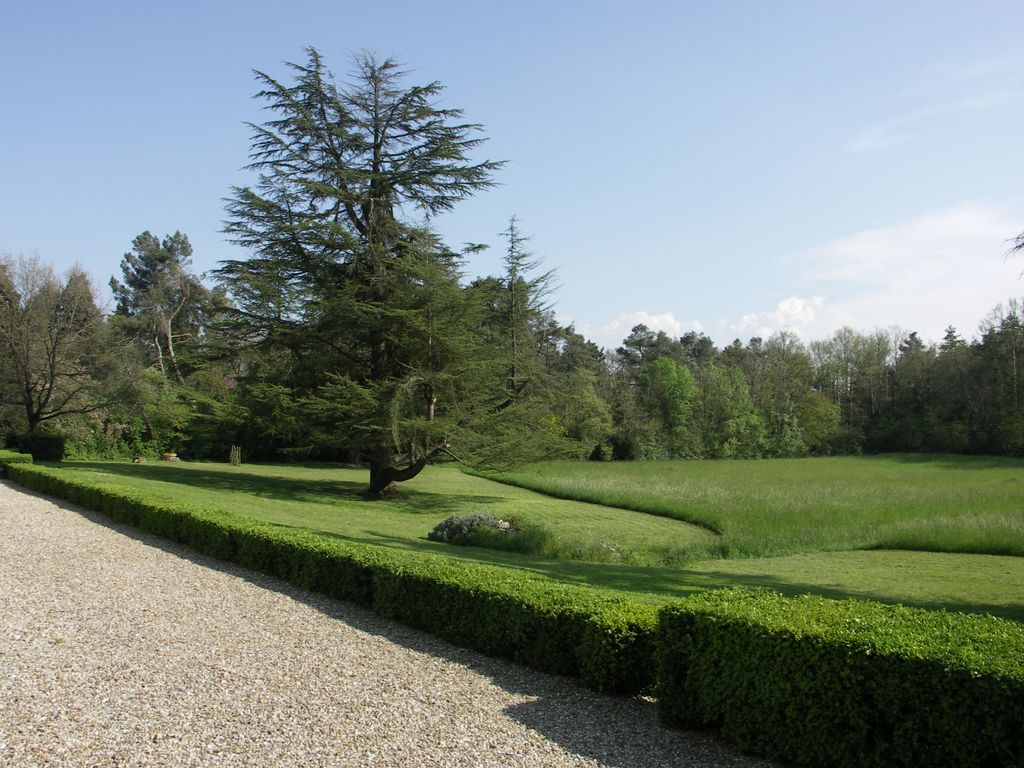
[[844, 682], [12, 457], [44, 446], [562, 629]]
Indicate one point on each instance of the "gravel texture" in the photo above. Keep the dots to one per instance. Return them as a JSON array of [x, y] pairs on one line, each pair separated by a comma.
[[121, 649]]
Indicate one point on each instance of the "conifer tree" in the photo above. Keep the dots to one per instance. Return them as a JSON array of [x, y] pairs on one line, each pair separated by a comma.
[[345, 275]]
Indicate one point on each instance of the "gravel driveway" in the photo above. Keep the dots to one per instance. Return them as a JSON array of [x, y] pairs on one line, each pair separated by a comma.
[[121, 649]]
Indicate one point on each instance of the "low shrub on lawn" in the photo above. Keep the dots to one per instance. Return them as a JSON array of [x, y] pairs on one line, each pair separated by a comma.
[[490, 532], [44, 446]]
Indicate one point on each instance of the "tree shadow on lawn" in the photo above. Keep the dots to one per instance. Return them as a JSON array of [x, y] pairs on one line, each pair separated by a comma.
[[618, 732], [666, 583], [953, 461], [309, 490]]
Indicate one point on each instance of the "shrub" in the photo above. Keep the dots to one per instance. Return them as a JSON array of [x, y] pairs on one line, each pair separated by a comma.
[[44, 446], [526, 539], [844, 683], [456, 528], [490, 532], [12, 457]]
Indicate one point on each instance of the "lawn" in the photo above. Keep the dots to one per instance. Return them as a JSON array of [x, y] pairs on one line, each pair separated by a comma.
[[809, 512], [329, 499]]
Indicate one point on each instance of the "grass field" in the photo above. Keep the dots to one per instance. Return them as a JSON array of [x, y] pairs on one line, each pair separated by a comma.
[[808, 510], [787, 506]]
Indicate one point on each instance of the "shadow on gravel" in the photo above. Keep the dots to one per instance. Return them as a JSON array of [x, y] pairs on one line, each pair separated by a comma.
[[617, 732]]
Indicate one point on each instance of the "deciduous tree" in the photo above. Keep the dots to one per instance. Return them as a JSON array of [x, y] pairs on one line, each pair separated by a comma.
[[50, 331]]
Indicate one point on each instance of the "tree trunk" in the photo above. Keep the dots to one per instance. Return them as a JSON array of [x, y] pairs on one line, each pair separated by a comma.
[[383, 476], [169, 334]]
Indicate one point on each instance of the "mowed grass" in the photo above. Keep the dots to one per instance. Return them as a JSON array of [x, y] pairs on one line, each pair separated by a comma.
[[653, 560], [780, 507], [329, 500]]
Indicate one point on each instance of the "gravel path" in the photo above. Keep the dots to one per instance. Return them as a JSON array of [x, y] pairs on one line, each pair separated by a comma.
[[121, 649]]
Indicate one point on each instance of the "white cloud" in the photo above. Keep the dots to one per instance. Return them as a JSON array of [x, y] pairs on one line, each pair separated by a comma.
[[946, 88], [612, 334], [939, 269], [794, 313]]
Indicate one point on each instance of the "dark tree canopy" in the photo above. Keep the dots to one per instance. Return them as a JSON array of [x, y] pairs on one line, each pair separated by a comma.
[[357, 298], [166, 303]]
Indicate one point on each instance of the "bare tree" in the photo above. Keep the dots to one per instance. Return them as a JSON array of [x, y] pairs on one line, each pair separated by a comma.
[[1018, 245], [49, 328]]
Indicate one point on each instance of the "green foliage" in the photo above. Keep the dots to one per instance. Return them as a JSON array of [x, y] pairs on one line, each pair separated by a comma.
[[51, 343], [360, 302], [844, 683], [12, 457], [490, 532], [730, 426], [585, 415], [670, 394], [43, 446], [455, 529], [525, 539], [555, 628], [162, 306]]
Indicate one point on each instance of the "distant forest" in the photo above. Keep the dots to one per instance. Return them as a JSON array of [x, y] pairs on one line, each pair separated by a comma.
[[168, 371]]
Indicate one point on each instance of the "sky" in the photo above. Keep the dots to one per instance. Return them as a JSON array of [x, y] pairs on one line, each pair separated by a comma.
[[735, 168]]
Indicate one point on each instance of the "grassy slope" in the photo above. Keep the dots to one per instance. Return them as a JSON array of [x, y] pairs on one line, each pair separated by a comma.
[[327, 500], [786, 506]]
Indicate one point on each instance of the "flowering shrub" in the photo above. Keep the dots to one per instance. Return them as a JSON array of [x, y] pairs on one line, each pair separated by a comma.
[[456, 528]]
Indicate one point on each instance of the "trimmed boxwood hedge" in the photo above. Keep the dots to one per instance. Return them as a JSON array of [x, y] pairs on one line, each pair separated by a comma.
[[562, 629], [844, 682], [12, 457], [44, 446]]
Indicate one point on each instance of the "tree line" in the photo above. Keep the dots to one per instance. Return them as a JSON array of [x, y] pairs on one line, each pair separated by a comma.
[[852, 392], [351, 333]]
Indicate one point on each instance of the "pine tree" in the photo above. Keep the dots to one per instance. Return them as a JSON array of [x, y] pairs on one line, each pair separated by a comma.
[[345, 276], [165, 301]]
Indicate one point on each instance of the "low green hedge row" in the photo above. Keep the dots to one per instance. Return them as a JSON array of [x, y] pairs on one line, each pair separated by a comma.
[[12, 457], [844, 683], [562, 629]]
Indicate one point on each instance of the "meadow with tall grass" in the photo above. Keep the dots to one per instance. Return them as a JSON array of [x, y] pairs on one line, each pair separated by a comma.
[[771, 508]]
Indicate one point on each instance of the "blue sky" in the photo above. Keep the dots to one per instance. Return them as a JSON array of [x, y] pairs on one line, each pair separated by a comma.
[[734, 167]]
